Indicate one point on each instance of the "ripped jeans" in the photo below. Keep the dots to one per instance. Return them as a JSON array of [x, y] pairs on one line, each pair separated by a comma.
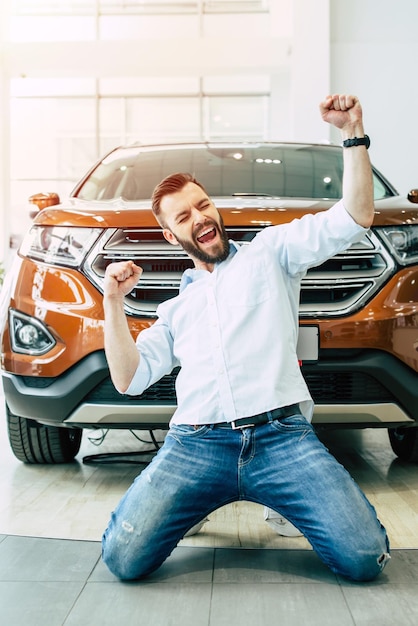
[[281, 465]]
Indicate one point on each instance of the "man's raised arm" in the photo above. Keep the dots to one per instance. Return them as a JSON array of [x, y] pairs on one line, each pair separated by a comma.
[[344, 112], [121, 352]]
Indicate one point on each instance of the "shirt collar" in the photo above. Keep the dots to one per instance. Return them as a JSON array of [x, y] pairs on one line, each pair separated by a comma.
[[191, 275]]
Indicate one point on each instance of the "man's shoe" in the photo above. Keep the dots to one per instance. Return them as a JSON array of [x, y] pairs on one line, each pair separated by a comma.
[[280, 524]]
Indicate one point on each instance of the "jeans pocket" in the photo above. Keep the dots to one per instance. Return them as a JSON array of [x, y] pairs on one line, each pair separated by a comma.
[[187, 430], [295, 422]]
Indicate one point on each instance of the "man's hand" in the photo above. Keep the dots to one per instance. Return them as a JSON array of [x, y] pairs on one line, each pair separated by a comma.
[[343, 112], [121, 278]]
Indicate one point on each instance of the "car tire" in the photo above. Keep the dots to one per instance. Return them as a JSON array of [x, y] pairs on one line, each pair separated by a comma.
[[404, 442], [39, 444]]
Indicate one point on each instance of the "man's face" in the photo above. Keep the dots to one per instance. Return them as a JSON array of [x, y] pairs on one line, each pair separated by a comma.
[[192, 221]]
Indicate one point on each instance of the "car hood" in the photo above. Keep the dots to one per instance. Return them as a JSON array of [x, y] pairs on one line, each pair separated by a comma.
[[236, 211]]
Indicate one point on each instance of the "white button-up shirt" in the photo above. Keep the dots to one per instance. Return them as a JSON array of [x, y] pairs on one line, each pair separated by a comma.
[[233, 331]]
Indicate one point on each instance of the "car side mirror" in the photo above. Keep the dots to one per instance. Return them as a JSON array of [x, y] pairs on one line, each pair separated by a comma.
[[413, 196], [42, 200]]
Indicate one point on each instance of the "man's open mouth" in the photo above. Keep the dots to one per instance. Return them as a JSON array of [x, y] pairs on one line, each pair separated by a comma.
[[207, 236]]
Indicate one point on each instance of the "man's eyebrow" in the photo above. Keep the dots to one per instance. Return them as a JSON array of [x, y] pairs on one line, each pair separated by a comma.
[[199, 204], [202, 201], [180, 214]]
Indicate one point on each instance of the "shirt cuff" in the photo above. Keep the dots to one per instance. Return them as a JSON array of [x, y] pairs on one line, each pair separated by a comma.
[[140, 379]]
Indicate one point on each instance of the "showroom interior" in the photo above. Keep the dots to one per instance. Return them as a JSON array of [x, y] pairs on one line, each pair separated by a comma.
[[81, 77]]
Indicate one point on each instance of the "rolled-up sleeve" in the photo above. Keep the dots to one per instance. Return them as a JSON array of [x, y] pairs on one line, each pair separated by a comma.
[[155, 346], [312, 239]]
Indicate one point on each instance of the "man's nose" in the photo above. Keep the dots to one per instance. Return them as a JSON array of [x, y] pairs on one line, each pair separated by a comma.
[[197, 216]]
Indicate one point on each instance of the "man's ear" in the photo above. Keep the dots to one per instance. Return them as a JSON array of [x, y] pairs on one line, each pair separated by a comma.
[[168, 235]]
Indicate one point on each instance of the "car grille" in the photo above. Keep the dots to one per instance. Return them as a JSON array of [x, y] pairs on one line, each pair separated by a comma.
[[346, 387], [339, 286], [326, 388]]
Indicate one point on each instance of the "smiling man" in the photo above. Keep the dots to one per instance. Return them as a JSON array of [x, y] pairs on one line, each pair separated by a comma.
[[190, 219], [241, 430]]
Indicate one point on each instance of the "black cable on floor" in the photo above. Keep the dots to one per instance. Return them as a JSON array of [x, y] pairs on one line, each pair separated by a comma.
[[124, 457], [118, 457]]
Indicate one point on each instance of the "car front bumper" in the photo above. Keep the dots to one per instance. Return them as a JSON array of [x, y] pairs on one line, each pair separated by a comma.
[[368, 388]]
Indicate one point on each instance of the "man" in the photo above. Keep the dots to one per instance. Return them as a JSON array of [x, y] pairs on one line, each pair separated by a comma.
[[242, 427]]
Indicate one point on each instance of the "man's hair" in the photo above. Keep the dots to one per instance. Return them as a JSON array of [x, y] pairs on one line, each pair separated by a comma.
[[170, 184]]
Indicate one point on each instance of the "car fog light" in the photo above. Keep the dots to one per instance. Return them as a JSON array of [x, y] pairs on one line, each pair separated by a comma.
[[29, 335]]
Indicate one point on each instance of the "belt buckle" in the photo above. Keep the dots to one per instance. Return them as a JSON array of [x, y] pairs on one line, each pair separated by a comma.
[[240, 427]]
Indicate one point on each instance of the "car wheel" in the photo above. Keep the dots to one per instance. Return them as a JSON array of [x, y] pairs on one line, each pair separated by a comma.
[[404, 442], [36, 443]]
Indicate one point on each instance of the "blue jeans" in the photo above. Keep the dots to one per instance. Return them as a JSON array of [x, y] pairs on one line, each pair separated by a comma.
[[281, 465]]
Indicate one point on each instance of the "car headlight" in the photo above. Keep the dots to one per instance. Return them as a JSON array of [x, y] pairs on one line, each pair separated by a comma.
[[402, 242], [59, 245]]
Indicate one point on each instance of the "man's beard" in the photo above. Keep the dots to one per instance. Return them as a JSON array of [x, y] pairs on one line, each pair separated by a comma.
[[217, 256]]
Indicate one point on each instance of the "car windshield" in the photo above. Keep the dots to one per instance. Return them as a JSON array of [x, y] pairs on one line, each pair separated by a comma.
[[276, 170]]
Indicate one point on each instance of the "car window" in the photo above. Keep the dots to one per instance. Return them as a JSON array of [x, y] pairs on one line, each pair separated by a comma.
[[380, 189], [277, 170]]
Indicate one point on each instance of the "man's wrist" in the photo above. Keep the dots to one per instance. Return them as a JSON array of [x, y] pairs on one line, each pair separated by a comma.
[[352, 130], [352, 142], [113, 303]]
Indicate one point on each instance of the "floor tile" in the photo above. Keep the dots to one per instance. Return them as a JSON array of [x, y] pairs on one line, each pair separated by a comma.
[[37, 603], [142, 604], [194, 565], [270, 566], [385, 605], [402, 567], [287, 604], [52, 582], [30, 558]]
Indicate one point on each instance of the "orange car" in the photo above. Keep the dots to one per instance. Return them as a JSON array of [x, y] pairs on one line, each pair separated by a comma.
[[358, 343]]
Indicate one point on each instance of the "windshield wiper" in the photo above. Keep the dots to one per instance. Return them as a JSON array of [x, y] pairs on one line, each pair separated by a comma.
[[252, 194]]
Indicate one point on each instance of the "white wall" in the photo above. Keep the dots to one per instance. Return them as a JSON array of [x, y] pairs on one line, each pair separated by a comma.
[[4, 146], [309, 69], [374, 54]]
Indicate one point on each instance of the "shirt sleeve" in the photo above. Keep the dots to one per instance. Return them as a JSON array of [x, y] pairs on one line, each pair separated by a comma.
[[155, 347], [313, 238]]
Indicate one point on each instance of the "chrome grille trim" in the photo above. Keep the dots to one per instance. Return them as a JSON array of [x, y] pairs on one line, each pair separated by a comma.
[[340, 286]]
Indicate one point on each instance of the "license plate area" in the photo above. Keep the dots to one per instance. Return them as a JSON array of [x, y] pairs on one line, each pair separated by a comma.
[[308, 343]]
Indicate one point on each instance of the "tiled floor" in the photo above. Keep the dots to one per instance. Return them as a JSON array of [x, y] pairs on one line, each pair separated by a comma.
[[236, 572], [54, 582]]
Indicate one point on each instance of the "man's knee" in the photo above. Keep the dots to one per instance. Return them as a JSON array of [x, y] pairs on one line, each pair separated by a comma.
[[117, 564], [120, 557], [129, 558], [364, 568]]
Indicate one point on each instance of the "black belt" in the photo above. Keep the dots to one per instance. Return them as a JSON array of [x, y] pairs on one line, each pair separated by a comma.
[[261, 418]]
